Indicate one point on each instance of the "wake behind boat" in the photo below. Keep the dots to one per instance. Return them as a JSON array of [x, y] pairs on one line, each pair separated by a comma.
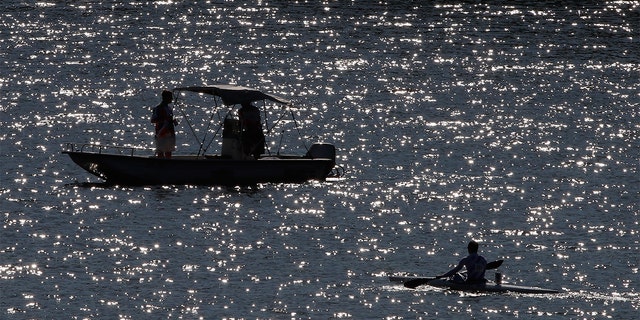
[[232, 167]]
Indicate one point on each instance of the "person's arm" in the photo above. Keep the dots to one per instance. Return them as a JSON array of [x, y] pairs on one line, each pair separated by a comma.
[[453, 271]]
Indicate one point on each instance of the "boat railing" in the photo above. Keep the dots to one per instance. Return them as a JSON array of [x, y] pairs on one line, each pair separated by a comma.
[[101, 149]]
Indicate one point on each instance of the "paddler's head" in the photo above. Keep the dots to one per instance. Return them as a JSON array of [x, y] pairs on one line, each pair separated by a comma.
[[167, 96], [472, 247]]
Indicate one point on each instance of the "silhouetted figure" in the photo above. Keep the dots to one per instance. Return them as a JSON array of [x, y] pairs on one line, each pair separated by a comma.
[[474, 264], [162, 117]]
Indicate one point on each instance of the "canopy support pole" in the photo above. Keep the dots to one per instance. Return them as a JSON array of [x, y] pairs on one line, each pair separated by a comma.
[[186, 118], [206, 131]]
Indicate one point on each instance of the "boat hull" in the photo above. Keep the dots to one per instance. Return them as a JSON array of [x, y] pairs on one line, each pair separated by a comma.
[[191, 170], [480, 287]]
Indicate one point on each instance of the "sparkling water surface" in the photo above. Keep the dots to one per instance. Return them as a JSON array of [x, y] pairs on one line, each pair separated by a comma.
[[511, 123]]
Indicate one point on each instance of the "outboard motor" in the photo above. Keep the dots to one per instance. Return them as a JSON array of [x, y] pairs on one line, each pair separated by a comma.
[[322, 150]]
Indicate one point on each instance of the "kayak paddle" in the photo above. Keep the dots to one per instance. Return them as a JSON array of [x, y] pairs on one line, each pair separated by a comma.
[[420, 281]]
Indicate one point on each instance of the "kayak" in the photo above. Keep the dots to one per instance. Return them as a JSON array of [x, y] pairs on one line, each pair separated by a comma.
[[476, 287]]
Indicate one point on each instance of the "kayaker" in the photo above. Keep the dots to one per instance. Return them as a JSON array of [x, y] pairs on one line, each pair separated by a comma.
[[162, 117], [474, 264]]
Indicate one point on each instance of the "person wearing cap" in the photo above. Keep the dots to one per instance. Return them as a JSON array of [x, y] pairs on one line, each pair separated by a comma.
[[162, 117], [474, 264]]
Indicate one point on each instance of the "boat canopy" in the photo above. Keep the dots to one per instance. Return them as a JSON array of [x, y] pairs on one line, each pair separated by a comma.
[[231, 94]]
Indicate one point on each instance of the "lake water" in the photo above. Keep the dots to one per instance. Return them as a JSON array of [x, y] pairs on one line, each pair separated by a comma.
[[510, 123]]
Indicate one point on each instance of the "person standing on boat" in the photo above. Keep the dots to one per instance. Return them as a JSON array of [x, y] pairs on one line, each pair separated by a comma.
[[162, 117], [252, 136], [474, 264]]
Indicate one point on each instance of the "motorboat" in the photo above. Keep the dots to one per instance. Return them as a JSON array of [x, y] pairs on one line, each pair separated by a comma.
[[231, 166]]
